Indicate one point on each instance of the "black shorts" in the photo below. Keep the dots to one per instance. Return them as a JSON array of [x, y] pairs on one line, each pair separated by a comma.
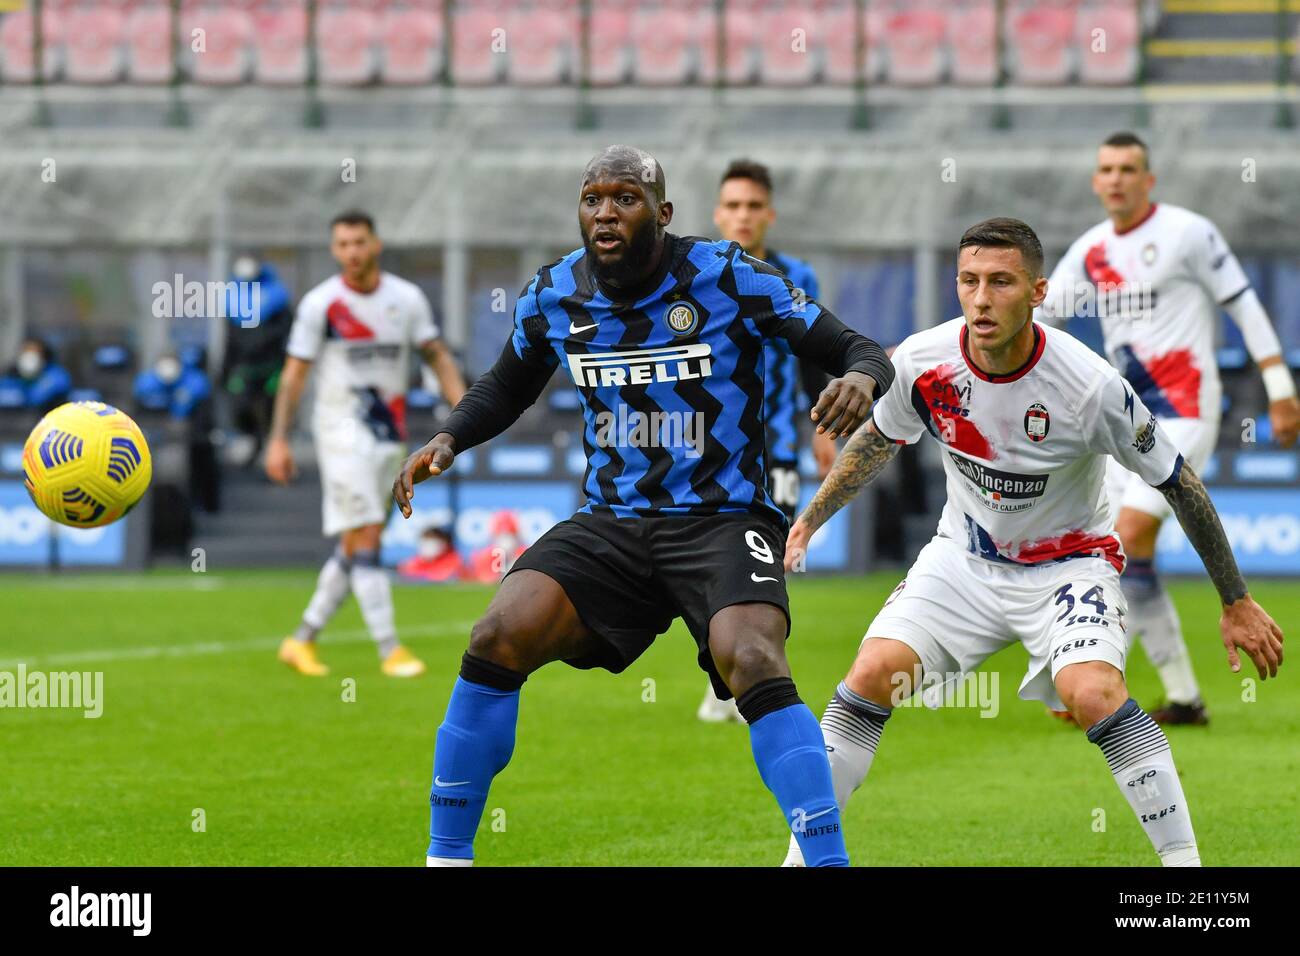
[[629, 577]]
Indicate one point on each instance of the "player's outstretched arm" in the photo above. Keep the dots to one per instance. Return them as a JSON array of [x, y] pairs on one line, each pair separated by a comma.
[[491, 405], [1244, 623], [438, 357], [279, 463], [863, 457]]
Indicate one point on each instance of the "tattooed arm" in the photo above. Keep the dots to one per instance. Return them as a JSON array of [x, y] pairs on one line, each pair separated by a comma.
[[863, 457], [1244, 624]]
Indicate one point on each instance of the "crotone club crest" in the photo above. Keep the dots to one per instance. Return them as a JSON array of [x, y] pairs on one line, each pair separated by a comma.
[[1037, 422]]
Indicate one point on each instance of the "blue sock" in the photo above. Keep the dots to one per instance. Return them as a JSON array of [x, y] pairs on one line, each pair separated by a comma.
[[791, 757], [474, 744]]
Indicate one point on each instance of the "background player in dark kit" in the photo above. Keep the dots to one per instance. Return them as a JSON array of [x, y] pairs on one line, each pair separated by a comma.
[[648, 323]]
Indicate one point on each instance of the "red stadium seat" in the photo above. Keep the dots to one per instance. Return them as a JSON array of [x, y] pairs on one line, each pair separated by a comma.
[[915, 44], [281, 45], [150, 40], [411, 44], [792, 38], [664, 46], [479, 43], [543, 44], [743, 51], [609, 49], [345, 46], [1121, 32], [973, 43], [93, 44], [837, 24], [16, 46], [1040, 40], [226, 37]]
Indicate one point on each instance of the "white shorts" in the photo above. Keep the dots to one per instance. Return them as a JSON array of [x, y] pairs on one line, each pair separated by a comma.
[[356, 477], [1191, 436], [955, 610]]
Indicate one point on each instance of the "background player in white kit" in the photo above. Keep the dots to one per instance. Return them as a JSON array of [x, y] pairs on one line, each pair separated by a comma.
[[1026, 550], [1160, 275], [360, 326]]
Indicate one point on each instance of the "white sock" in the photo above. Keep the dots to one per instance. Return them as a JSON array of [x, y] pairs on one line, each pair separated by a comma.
[[1143, 766], [375, 595], [851, 728], [1153, 616], [446, 861], [332, 586]]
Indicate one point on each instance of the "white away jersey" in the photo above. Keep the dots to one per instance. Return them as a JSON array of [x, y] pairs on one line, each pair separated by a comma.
[[1157, 288], [361, 343], [1025, 453]]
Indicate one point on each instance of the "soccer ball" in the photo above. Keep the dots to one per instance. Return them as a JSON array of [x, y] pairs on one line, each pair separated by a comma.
[[86, 464]]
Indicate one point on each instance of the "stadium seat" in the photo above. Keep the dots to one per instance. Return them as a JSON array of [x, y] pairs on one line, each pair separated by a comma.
[[479, 42], [740, 25], [792, 38], [1118, 62], [93, 45], [345, 46], [150, 43], [1040, 40], [609, 47], [16, 46], [837, 25], [281, 44], [914, 42], [973, 44], [543, 43], [226, 38], [664, 44], [411, 46]]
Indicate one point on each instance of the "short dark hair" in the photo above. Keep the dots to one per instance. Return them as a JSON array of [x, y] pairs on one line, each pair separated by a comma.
[[1125, 138], [354, 217], [748, 169], [1004, 233]]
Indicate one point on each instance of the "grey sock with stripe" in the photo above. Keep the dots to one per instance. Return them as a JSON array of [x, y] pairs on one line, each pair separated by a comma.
[[1143, 765], [333, 585]]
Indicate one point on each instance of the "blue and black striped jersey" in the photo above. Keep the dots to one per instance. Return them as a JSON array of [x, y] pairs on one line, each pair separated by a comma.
[[671, 375], [784, 383]]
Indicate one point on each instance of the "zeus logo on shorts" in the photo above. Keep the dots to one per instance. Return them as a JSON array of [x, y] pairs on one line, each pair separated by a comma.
[[1070, 646], [675, 363], [1001, 491]]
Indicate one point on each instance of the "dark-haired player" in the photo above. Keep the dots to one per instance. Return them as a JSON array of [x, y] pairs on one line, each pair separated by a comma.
[[1160, 276], [663, 338], [743, 215], [359, 327], [1026, 549]]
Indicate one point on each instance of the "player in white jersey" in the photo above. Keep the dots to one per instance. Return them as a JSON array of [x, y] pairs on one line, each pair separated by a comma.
[[1158, 275], [1026, 550], [359, 327]]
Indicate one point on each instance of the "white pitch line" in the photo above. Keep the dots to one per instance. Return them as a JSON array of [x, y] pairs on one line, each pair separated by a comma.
[[356, 636]]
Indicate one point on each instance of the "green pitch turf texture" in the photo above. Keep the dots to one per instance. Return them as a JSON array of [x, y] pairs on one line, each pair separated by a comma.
[[608, 770]]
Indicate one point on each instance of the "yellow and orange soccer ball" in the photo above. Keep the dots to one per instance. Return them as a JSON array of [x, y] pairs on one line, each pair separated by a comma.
[[86, 464]]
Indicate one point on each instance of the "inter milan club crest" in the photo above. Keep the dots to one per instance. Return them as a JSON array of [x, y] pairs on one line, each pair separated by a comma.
[[1037, 422], [682, 318]]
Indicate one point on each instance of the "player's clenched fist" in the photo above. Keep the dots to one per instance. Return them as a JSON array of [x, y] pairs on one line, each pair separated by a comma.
[[429, 462], [1248, 626], [844, 404]]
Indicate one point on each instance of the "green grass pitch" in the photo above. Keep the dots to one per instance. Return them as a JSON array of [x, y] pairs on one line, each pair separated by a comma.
[[608, 770]]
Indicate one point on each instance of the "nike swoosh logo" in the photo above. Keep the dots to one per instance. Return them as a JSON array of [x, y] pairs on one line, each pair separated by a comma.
[[820, 813], [575, 329], [439, 782], [753, 576]]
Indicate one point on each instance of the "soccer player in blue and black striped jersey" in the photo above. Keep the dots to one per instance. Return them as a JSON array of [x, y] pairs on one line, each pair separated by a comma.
[[743, 215], [663, 337]]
